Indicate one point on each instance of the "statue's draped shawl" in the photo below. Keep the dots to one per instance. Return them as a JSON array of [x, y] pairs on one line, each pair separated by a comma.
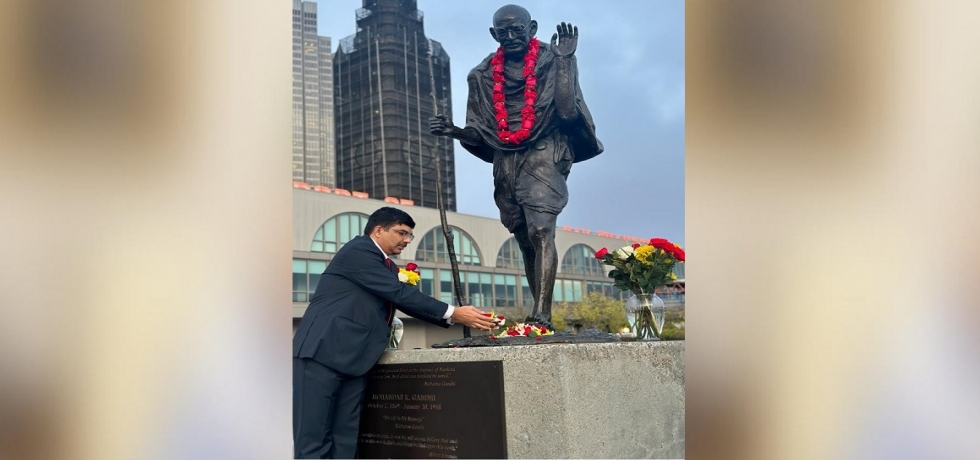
[[481, 116]]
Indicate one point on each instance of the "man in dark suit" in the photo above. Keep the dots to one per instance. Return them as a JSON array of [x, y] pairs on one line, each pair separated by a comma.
[[345, 331]]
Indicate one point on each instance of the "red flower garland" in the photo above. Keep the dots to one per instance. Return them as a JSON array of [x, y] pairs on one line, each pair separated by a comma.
[[530, 94]]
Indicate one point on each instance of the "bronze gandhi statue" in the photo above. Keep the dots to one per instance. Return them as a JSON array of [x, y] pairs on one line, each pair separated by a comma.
[[525, 114]]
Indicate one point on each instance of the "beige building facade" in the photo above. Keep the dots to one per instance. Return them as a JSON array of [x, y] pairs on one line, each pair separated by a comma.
[[491, 267]]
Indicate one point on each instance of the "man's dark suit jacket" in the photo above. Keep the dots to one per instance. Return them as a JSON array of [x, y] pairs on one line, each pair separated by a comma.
[[346, 325]]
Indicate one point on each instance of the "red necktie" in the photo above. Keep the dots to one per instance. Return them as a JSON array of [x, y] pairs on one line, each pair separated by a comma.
[[391, 306]]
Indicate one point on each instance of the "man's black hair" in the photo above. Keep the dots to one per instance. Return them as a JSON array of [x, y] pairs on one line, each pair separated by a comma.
[[388, 217]]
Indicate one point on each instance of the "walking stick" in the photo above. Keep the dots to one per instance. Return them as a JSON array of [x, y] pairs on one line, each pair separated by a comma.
[[457, 289]]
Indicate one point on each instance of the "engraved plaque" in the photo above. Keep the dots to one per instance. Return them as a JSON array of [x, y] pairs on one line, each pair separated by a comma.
[[434, 410]]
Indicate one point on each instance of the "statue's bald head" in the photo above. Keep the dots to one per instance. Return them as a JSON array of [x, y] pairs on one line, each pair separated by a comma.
[[513, 29], [513, 12]]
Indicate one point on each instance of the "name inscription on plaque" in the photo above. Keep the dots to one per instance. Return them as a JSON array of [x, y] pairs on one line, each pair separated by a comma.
[[434, 410]]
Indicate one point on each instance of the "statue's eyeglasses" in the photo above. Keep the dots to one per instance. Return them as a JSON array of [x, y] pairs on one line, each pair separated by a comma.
[[516, 30]]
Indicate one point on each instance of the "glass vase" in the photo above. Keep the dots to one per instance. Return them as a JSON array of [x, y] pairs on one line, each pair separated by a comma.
[[645, 314], [395, 334]]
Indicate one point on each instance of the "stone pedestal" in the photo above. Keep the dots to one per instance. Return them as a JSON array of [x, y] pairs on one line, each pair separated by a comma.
[[604, 400]]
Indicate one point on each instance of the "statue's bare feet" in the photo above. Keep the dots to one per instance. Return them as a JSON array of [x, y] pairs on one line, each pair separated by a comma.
[[539, 320]]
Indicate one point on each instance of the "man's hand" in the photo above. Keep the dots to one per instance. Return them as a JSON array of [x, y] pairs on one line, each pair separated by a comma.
[[472, 317], [565, 41], [440, 125]]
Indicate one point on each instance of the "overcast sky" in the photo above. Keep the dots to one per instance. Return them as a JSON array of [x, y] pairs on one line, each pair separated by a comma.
[[631, 70]]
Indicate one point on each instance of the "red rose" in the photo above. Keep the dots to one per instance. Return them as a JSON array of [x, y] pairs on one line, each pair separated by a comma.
[[411, 266], [636, 245], [511, 333], [679, 254], [527, 124], [601, 253], [500, 317], [531, 81], [660, 243], [498, 87], [669, 248]]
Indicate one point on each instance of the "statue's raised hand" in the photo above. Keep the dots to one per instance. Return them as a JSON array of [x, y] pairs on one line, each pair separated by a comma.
[[565, 41], [440, 125]]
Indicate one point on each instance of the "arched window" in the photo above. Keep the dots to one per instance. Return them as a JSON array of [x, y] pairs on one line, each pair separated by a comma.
[[432, 248], [337, 231], [510, 255], [580, 260]]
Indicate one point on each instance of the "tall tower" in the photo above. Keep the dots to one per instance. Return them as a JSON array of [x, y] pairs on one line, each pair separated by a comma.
[[313, 142], [385, 94]]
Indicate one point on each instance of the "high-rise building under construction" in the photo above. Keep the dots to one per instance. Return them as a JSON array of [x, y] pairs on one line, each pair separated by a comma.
[[388, 80]]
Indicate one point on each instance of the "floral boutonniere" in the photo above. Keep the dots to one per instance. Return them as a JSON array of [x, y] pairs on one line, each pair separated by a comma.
[[410, 274]]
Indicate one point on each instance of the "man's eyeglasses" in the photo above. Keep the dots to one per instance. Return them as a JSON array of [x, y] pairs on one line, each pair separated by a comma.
[[504, 31], [404, 234]]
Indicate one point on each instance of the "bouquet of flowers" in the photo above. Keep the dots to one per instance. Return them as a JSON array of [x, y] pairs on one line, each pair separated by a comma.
[[642, 269]]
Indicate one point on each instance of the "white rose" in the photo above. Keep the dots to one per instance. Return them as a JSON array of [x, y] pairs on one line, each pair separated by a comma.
[[623, 253], [402, 277]]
